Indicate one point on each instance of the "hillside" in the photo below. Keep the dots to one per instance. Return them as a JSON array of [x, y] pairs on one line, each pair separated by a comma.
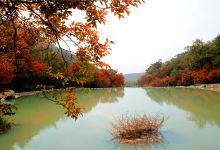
[[132, 76], [199, 64]]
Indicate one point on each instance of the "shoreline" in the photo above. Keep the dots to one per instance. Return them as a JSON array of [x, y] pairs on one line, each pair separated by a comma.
[[210, 87], [22, 94]]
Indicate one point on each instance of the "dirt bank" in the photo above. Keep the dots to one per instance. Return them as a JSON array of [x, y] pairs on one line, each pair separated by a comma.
[[17, 95], [212, 87]]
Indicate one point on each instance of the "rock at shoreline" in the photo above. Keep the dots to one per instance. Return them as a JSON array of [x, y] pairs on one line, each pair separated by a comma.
[[6, 95]]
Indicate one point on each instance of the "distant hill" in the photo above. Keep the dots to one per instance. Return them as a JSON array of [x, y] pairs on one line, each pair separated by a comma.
[[66, 54], [132, 76]]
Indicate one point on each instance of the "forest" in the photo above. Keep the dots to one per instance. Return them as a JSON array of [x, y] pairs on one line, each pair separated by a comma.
[[36, 63], [33, 34], [58, 90], [199, 64]]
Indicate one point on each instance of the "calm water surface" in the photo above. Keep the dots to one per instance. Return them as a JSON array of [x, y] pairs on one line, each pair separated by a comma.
[[193, 120]]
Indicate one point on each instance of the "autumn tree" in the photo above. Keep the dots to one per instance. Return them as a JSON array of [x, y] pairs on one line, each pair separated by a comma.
[[117, 80], [197, 65], [109, 78], [168, 81], [155, 68], [144, 80], [50, 19], [200, 76], [26, 24], [6, 73], [214, 76], [102, 78]]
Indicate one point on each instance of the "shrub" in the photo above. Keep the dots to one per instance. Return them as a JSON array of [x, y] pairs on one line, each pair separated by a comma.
[[138, 129], [214, 76]]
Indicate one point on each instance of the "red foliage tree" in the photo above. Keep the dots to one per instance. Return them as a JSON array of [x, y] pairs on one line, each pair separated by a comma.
[[142, 81], [117, 80], [187, 77], [214, 76], [156, 82], [168, 81], [72, 69], [109, 78], [200, 76], [6, 71], [38, 67], [102, 78]]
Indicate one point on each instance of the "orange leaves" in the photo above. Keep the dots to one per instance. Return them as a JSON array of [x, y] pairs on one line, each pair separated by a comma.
[[38, 67], [102, 78], [189, 77], [90, 48], [117, 80], [119, 8], [70, 104], [73, 68], [214, 75], [143, 80], [6, 70], [68, 100], [168, 81], [19, 57], [94, 15], [200, 76], [109, 78], [48, 22], [165, 81], [96, 12]]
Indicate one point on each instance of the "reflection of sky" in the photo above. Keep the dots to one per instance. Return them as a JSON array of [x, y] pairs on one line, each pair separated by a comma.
[[91, 132]]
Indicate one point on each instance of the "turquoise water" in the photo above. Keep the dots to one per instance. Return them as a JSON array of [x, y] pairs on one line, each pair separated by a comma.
[[193, 120]]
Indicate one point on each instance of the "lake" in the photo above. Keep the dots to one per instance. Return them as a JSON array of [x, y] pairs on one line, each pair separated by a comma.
[[193, 120]]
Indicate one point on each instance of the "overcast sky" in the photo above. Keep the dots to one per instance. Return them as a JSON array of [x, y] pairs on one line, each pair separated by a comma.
[[159, 29]]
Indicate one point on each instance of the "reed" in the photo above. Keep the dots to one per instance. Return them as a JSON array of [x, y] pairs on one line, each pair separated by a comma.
[[138, 129]]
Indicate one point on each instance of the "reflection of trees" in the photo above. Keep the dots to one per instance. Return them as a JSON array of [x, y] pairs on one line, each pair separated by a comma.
[[90, 97], [139, 146], [204, 106], [34, 114]]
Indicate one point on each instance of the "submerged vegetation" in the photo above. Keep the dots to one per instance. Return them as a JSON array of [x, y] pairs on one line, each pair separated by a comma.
[[6, 110], [144, 129], [4, 125], [200, 64]]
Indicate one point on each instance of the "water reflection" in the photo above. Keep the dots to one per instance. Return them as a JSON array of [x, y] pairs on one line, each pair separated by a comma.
[[36, 114], [141, 146], [42, 125], [203, 106], [91, 97]]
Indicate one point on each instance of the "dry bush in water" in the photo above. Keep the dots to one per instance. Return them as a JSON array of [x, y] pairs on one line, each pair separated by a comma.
[[144, 129]]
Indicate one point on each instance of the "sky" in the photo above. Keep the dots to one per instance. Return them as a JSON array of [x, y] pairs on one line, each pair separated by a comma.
[[159, 29]]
